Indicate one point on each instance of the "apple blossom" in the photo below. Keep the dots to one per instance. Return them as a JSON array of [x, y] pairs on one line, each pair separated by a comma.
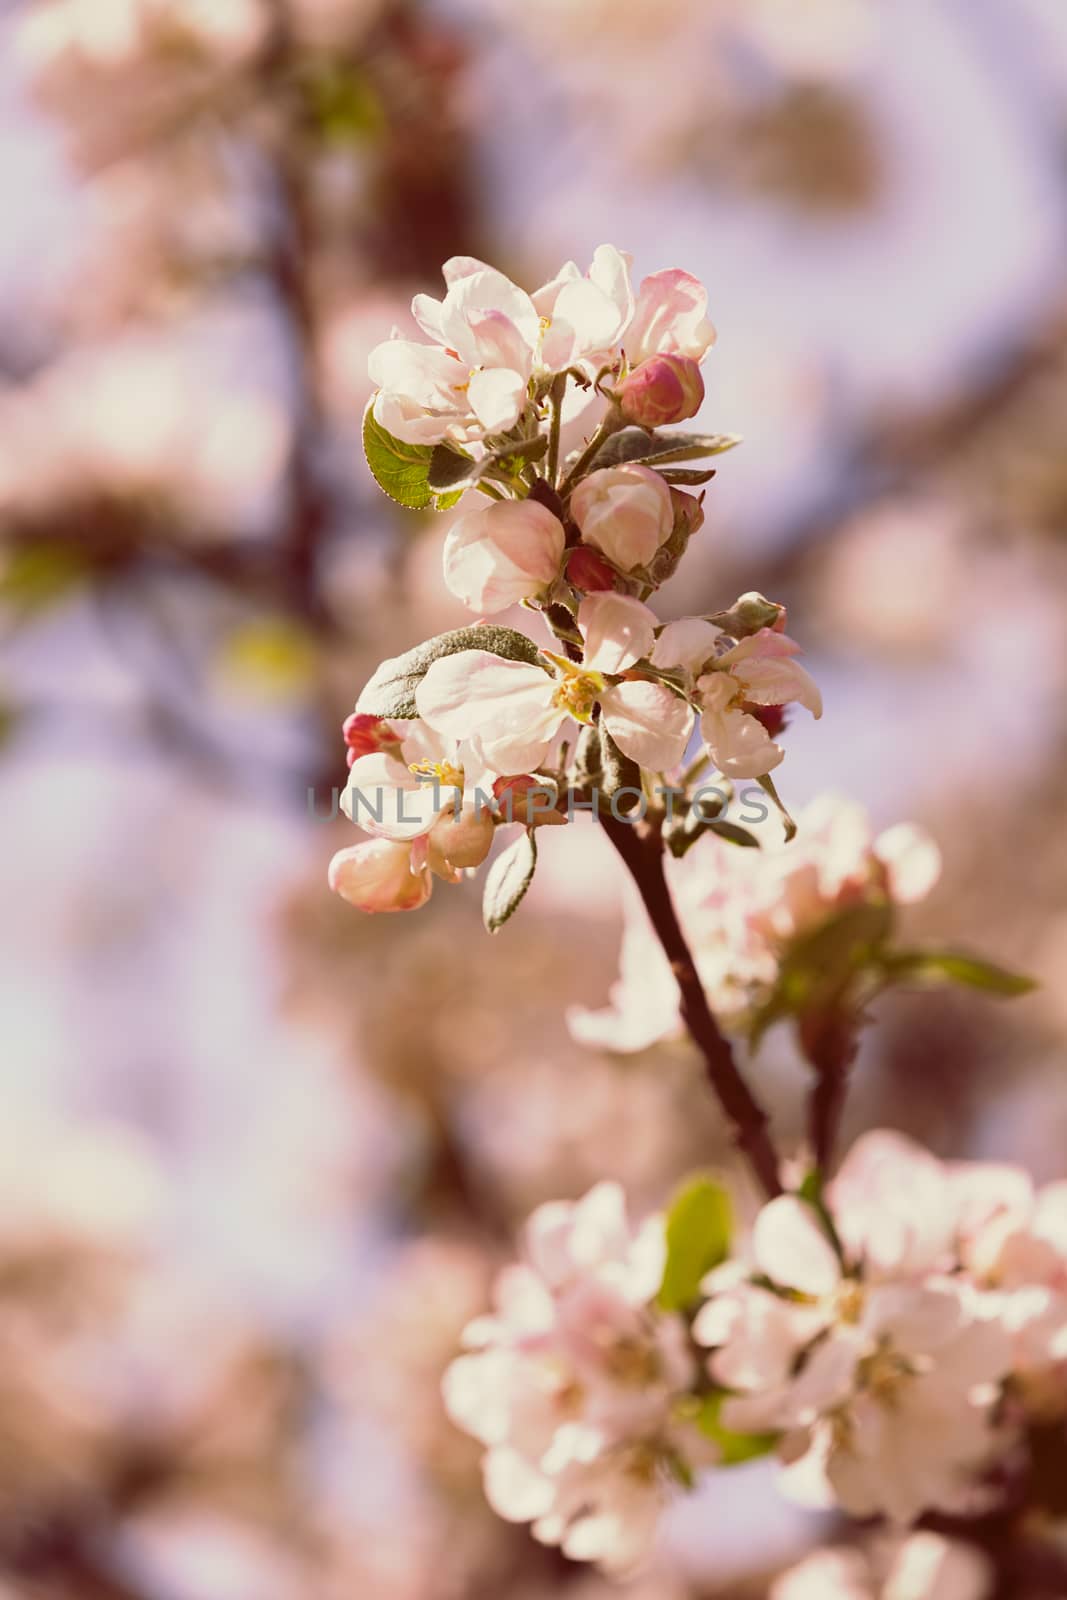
[[922, 1566], [509, 552], [1013, 1245], [573, 1383], [489, 338], [757, 671], [413, 794], [881, 1384], [510, 711], [662, 391], [670, 318], [624, 512], [742, 909], [585, 318], [380, 875]]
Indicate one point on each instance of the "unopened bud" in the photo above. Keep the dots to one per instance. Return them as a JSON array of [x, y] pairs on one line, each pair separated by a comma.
[[364, 734], [590, 572], [662, 391], [774, 719], [466, 840], [751, 614], [526, 799]]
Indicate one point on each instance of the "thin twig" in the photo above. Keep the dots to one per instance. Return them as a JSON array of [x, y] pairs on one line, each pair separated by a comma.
[[555, 396]]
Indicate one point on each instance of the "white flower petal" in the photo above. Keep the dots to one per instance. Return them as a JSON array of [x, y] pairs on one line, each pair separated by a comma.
[[648, 722], [618, 630], [790, 1246]]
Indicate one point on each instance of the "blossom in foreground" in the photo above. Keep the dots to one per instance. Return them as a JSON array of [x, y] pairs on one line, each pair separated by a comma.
[[414, 794], [735, 683], [879, 1371], [923, 1566], [572, 1384], [670, 318], [489, 338], [511, 551], [511, 711], [490, 341]]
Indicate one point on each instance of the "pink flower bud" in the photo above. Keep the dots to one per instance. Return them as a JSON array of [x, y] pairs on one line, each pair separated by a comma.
[[589, 572], [625, 512], [463, 841], [379, 875], [663, 390], [365, 735], [773, 719], [509, 552], [525, 799]]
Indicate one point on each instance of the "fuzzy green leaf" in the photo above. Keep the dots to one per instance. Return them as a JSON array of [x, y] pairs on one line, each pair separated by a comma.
[[507, 881], [656, 449]]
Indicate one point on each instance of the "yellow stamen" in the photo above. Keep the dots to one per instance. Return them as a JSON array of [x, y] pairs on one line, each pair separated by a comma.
[[448, 776]]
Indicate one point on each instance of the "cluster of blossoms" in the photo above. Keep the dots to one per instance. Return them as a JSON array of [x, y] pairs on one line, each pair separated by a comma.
[[583, 541], [577, 1386], [893, 1339], [923, 1566], [894, 1335], [745, 911]]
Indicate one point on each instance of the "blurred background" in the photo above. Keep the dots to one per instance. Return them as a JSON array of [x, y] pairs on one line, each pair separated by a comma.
[[259, 1154]]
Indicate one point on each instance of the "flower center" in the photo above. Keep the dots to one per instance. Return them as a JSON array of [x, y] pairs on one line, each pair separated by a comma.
[[577, 692], [848, 1301], [632, 1362], [884, 1374], [442, 772]]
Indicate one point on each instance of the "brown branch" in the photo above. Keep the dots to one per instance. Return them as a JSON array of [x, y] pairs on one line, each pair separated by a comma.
[[641, 850], [830, 1042]]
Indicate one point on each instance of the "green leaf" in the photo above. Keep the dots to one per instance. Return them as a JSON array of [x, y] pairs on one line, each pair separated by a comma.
[[391, 691], [684, 834], [766, 783], [699, 1227], [452, 468], [633, 444], [508, 880], [449, 466], [402, 470], [933, 968], [734, 1448], [688, 475]]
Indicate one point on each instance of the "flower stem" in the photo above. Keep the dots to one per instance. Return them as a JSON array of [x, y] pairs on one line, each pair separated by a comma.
[[641, 850], [555, 396], [610, 424]]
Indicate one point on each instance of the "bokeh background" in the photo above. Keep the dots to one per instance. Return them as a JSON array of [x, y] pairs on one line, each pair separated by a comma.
[[259, 1154]]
